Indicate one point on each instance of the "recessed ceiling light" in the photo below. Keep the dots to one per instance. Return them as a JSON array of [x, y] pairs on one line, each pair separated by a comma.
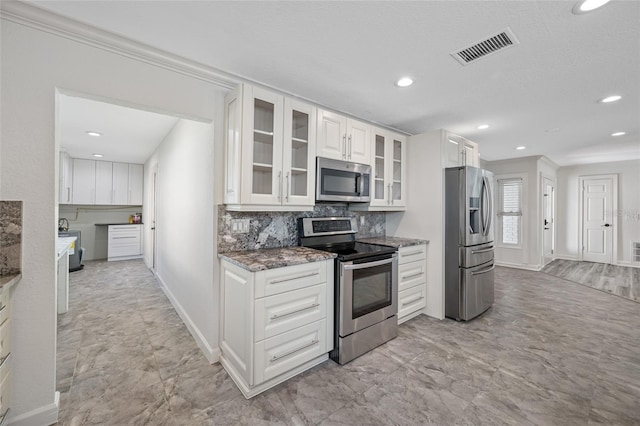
[[520, 148], [584, 6], [404, 82], [612, 98], [483, 126], [98, 155], [92, 133], [618, 133]]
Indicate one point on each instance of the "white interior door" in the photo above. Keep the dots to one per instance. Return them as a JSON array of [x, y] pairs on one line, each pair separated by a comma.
[[548, 232], [597, 219]]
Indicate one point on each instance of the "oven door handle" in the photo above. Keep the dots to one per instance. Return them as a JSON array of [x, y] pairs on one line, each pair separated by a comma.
[[351, 267]]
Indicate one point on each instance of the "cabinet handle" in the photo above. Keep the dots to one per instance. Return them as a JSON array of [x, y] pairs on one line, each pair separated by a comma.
[[2, 362], [280, 186], [349, 147], [344, 146], [311, 274], [276, 316], [389, 194], [293, 351], [406, 277], [119, 238], [410, 301], [68, 194], [4, 417], [286, 194], [411, 253]]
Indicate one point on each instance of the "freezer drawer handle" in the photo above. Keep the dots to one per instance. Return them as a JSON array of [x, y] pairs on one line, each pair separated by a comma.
[[293, 351], [484, 271], [276, 316], [485, 250], [294, 278]]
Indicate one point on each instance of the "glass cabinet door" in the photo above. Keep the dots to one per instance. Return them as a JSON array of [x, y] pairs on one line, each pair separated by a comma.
[[299, 153], [379, 192], [263, 116], [398, 164]]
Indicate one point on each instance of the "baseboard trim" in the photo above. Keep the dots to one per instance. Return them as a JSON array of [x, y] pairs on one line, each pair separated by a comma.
[[566, 257], [212, 354], [536, 268], [45, 415], [627, 264]]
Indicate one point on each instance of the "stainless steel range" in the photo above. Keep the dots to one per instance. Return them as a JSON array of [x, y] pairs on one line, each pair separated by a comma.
[[366, 279]]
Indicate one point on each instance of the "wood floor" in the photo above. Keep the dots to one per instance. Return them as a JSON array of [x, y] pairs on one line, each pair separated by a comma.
[[622, 281], [549, 352]]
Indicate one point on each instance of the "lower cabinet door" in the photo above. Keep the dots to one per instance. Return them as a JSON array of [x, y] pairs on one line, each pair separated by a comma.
[[289, 350], [411, 300]]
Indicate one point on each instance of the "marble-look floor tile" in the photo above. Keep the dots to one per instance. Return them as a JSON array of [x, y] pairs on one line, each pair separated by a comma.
[[549, 352]]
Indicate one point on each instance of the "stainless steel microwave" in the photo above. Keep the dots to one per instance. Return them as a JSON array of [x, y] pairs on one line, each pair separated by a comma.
[[342, 181]]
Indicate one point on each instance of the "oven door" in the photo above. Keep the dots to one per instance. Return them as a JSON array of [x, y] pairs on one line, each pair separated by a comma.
[[368, 292]]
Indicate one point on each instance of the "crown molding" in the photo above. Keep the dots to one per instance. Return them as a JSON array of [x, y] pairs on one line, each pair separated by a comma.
[[34, 17]]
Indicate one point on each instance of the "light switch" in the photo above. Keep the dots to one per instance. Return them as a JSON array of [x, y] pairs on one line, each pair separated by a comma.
[[240, 226]]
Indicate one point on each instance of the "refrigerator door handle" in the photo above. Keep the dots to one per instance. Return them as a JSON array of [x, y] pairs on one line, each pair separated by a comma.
[[484, 271], [486, 207]]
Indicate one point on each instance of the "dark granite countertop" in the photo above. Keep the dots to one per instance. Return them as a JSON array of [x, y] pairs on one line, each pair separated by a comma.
[[397, 242], [10, 279], [119, 224], [260, 260]]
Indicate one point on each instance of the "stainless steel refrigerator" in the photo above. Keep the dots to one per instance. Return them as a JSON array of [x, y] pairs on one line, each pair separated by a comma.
[[469, 268]]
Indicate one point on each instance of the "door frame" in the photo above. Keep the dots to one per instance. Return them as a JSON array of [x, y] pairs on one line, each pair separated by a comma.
[[154, 218], [554, 185], [614, 216]]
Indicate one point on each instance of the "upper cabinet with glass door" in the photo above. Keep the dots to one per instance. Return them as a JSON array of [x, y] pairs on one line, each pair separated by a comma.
[[269, 149], [459, 151], [388, 186]]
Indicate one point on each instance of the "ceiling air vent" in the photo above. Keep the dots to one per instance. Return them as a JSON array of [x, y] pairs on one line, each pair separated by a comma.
[[500, 41]]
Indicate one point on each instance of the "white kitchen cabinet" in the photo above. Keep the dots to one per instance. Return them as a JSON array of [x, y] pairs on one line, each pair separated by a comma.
[[136, 178], [104, 182], [269, 151], [66, 176], [388, 187], [412, 281], [458, 151], [127, 184], [276, 323], [343, 138], [84, 181], [124, 242], [5, 352]]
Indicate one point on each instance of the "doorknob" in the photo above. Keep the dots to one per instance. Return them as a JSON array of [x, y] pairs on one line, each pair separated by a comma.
[[606, 225]]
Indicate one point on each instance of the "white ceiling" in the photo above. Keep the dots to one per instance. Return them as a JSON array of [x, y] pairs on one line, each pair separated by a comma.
[[128, 135], [542, 93]]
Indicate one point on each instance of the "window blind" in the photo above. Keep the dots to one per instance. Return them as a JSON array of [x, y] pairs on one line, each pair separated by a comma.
[[510, 210]]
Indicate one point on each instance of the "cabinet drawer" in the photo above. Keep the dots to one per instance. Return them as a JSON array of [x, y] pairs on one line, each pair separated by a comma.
[[412, 253], [411, 300], [5, 330], [125, 250], [412, 274], [284, 312], [5, 395], [275, 281], [286, 351]]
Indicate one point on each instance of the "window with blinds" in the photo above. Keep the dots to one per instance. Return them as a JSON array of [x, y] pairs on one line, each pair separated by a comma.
[[510, 211]]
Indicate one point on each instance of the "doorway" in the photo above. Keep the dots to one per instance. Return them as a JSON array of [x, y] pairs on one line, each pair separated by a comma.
[[548, 213], [154, 217], [598, 221]]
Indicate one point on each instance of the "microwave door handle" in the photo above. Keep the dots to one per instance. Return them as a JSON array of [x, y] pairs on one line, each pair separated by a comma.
[[361, 177], [352, 267]]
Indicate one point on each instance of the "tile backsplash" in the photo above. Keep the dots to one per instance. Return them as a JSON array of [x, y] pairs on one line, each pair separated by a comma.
[[279, 229], [10, 237]]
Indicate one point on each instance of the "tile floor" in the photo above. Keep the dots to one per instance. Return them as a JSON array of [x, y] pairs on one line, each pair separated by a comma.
[[549, 352], [622, 281]]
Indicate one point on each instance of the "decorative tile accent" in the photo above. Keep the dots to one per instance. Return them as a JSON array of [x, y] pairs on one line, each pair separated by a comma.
[[10, 237], [279, 229]]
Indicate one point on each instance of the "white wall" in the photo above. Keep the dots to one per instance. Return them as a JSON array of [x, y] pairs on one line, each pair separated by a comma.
[[424, 215], [84, 218], [34, 64], [185, 229], [527, 255], [628, 210]]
